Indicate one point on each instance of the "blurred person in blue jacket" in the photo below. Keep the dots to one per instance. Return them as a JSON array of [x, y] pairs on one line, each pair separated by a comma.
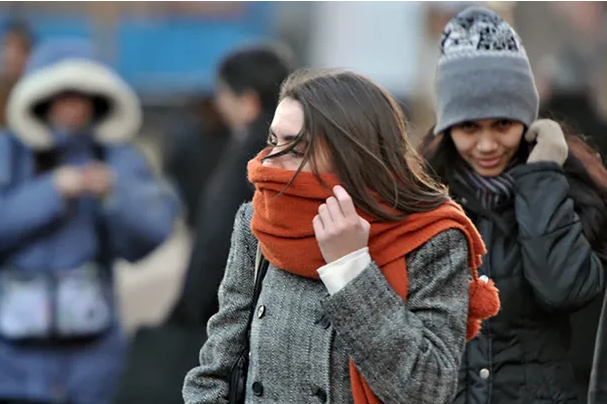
[[75, 196]]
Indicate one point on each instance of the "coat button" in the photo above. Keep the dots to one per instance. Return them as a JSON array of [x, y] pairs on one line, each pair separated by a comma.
[[321, 394], [261, 311], [257, 389], [324, 322], [484, 374]]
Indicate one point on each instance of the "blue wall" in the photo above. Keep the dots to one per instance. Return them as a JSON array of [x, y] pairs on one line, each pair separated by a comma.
[[167, 54]]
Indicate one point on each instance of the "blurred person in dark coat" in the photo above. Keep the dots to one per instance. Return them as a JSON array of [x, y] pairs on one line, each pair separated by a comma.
[[570, 93], [193, 145], [248, 83]]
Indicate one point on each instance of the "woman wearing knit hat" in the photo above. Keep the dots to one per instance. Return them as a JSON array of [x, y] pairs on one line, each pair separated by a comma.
[[371, 288], [539, 200]]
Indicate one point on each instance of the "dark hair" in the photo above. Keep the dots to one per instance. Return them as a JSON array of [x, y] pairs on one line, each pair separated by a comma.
[[260, 69], [363, 130], [584, 169]]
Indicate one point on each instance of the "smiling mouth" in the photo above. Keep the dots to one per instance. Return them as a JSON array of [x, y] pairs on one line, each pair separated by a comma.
[[488, 163]]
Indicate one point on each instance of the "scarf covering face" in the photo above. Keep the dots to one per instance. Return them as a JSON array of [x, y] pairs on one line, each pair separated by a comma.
[[283, 226]]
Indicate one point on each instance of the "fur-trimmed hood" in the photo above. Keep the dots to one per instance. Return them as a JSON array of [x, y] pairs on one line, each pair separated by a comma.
[[71, 66]]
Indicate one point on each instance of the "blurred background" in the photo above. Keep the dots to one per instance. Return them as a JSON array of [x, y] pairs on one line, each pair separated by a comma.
[[169, 51]]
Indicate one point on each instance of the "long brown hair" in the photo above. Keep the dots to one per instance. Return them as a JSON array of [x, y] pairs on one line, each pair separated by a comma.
[[584, 169], [363, 130]]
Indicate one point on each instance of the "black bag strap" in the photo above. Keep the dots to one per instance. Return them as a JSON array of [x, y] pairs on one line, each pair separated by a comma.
[[261, 268]]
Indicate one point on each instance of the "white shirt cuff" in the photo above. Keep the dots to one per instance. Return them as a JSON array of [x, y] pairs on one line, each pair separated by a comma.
[[338, 274]]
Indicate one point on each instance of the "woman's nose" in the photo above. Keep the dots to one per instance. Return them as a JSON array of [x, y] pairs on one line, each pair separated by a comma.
[[273, 162], [486, 143]]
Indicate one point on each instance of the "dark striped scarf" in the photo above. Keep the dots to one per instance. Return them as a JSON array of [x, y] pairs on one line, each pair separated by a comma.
[[489, 191]]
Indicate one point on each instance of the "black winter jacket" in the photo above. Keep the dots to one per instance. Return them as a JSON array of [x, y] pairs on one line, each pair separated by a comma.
[[545, 269]]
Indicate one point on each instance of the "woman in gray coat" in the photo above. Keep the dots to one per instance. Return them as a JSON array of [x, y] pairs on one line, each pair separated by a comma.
[[368, 296]]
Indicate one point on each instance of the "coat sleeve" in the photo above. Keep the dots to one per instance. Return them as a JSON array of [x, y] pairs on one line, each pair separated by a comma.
[[409, 352], [226, 330], [27, 207], [558, 261], [142, 209]]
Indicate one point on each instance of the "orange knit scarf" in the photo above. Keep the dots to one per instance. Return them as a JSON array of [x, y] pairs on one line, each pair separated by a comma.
[[283, 226]]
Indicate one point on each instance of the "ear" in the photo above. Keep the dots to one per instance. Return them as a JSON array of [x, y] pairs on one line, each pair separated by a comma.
[[251, 106]]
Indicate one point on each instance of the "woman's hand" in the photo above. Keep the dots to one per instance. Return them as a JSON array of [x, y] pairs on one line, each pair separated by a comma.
[[551, 144], [338, 228], [98, 179], [69, 181]]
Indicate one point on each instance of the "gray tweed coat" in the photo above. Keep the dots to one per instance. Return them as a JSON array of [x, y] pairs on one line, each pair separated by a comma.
[[302, 338]]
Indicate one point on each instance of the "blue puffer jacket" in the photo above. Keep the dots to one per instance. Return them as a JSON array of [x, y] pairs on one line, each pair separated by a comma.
[[42, 232]]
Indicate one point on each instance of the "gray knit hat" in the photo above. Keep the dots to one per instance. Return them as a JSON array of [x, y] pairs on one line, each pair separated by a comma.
[[483, 72]]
